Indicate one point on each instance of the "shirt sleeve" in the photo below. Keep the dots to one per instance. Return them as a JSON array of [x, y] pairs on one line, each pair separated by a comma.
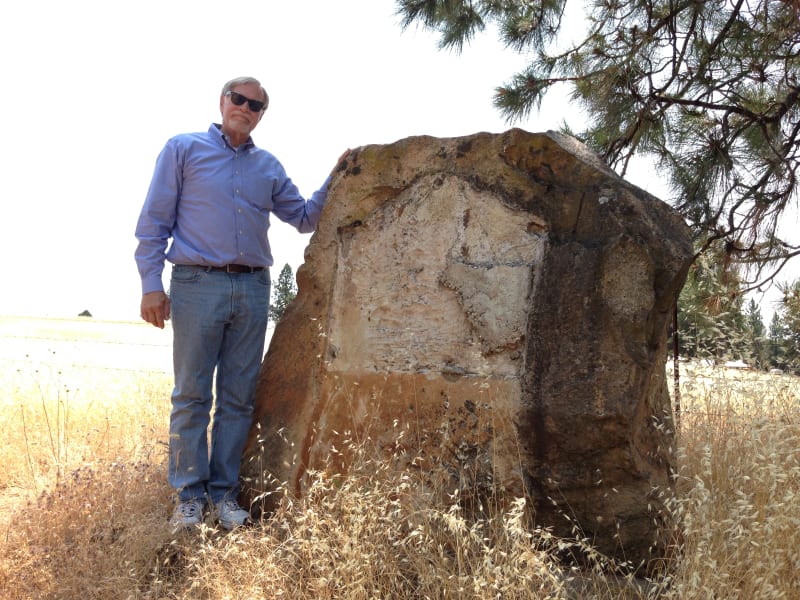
[[291, 208], [157, 218]]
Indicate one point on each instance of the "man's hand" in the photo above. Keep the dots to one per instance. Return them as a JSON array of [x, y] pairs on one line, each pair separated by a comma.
[[155, 308]]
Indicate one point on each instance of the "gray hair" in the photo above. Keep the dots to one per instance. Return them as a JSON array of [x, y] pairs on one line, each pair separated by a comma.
[[243, 80]]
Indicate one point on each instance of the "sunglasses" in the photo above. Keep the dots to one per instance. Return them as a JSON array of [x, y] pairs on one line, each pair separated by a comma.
[[254, 105]]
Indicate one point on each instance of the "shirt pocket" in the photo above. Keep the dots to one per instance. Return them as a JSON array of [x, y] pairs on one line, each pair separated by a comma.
[[257, 192]]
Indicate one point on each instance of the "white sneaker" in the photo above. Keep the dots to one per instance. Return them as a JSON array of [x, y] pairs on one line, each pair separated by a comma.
[[230, 515], [187, 514]]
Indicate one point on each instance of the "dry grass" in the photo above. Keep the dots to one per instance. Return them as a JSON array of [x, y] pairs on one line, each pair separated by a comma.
[[739, 487], [84, 504]]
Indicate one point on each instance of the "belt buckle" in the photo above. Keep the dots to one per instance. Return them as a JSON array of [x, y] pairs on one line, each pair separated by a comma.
[[239, 269]]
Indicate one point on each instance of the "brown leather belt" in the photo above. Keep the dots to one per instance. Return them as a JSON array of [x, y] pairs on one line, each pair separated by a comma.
[[234, 269]]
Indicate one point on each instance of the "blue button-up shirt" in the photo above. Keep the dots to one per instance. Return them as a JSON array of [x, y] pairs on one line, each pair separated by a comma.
[[215, 201]]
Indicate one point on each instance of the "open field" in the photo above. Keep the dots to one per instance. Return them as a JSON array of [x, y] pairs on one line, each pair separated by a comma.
[[84, 501], [83, 342]]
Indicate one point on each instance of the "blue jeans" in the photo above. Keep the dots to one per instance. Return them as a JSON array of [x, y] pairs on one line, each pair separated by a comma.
[[219, 322]]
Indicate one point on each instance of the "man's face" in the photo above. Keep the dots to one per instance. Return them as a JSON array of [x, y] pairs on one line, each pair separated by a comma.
[[239, 121]]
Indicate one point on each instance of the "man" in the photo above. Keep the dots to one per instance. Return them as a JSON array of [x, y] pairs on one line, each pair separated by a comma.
[[212, 193]]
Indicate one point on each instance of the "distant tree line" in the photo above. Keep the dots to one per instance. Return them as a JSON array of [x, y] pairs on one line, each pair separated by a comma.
[[717, 322]]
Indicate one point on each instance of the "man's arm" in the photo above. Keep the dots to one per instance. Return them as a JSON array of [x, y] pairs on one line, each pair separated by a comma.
[[153, 231], [302, 215]]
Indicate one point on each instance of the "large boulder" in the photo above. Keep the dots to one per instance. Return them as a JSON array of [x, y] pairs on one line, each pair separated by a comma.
[[491, 310]]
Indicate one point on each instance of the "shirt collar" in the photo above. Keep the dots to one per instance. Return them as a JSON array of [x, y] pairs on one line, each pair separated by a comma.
[[216, 130]]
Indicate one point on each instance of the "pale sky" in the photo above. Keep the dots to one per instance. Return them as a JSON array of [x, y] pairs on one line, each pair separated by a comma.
[[91, 90]]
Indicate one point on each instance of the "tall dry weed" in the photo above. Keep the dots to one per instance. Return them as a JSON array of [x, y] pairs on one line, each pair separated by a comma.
[[95, 526], [58, 419], [95, 535], [738, 496], [362, 536], [83, 493]]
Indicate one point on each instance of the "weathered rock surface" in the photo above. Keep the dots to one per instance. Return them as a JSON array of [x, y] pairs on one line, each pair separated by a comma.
[[494, 309]]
